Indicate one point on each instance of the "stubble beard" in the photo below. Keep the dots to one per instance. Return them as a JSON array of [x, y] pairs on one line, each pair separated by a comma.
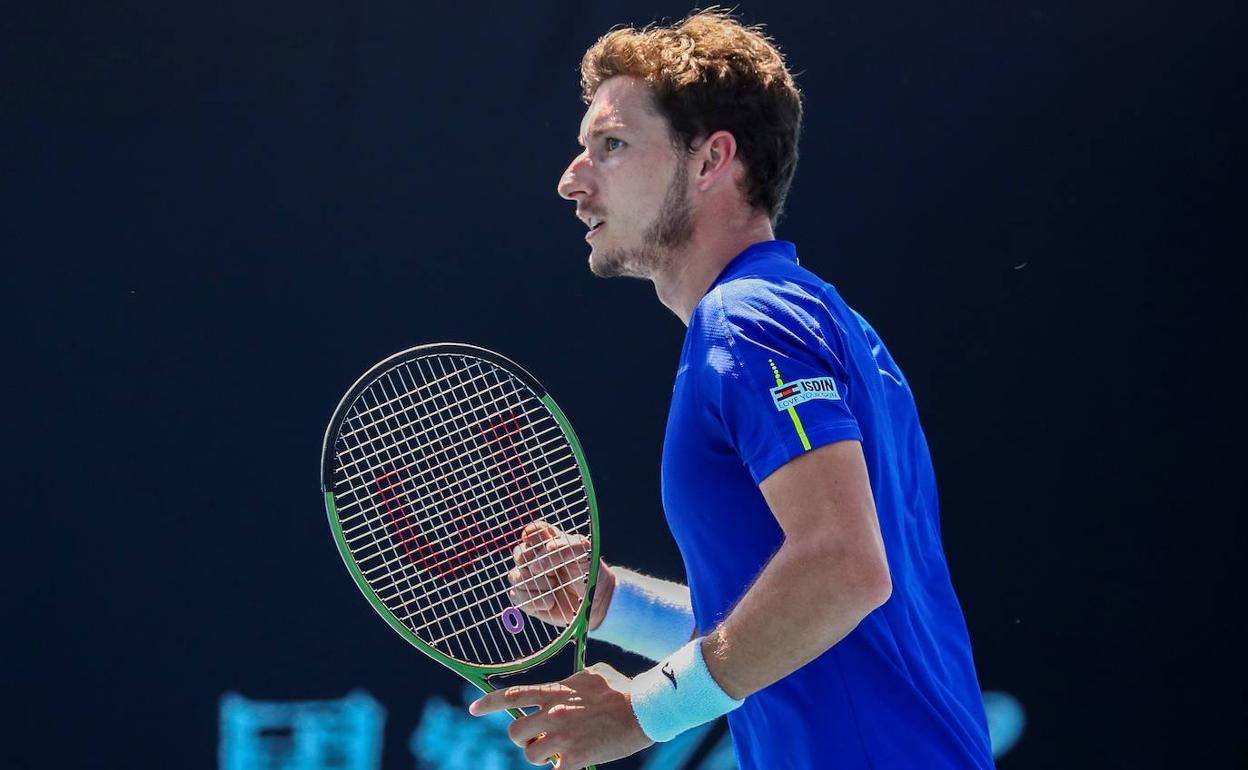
[[671, 229]]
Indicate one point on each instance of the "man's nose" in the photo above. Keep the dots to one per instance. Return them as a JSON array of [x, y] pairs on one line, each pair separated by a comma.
[[574, 181]]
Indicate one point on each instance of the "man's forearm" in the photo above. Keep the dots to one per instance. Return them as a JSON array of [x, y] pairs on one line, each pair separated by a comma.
[[807, 598], [644, 615]]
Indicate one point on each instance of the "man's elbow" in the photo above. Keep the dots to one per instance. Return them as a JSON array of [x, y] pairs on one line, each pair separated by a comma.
[[879, 587], [869, 582], [860, 575]]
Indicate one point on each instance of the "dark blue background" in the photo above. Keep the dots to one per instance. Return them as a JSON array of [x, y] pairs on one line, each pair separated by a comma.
[[216, 215]]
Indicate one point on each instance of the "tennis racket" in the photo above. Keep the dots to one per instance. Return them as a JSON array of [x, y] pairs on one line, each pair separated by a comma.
[[434, 463]]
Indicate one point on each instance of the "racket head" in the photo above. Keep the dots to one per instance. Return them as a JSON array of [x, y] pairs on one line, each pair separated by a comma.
[[402, 473]]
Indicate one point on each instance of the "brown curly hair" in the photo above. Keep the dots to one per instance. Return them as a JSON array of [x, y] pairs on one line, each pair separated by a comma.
[[708, 72]]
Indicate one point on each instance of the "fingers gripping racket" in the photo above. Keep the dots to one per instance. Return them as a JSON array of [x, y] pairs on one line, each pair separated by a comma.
[[434, 463]]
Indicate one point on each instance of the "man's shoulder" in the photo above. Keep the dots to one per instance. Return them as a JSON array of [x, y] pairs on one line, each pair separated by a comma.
[[763, 306]]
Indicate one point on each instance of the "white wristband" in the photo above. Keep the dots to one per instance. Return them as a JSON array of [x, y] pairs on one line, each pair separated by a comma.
[[648, 616], [678, 694]]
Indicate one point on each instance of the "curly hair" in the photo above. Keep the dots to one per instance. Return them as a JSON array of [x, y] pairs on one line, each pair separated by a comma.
[[708, 72]]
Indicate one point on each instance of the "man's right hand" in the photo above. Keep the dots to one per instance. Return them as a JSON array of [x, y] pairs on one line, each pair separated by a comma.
[[548, 580]]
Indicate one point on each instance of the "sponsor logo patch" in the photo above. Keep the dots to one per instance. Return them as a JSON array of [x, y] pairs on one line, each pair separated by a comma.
[[790, 394]]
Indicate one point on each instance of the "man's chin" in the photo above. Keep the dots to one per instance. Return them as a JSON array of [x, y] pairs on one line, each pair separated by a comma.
[[621, 263], [604, 264]]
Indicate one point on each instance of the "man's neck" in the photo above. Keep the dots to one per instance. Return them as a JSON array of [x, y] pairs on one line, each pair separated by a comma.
[[691, 270]]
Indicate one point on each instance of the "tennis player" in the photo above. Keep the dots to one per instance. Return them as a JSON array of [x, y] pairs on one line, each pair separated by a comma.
[[819, 613]]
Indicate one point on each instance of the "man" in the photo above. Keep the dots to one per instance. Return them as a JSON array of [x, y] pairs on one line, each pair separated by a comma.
[[797, 482]]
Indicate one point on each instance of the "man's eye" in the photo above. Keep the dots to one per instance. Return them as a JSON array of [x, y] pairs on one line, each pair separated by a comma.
[[611, 143]]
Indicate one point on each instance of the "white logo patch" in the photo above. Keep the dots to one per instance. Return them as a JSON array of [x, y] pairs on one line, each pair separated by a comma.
[[800, 391]]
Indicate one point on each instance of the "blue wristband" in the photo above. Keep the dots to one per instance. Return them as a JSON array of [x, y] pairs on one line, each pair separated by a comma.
[[678, 694]]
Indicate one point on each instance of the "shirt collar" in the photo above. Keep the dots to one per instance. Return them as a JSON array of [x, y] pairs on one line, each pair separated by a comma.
[[754, 254]]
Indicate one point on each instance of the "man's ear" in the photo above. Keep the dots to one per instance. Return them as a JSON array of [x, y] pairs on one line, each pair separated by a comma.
[[714, 158]]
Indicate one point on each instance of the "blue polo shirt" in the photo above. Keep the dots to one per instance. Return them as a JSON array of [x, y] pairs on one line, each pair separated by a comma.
[[776, 364]]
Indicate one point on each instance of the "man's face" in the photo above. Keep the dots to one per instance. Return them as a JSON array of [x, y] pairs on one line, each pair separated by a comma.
[[630, 183]]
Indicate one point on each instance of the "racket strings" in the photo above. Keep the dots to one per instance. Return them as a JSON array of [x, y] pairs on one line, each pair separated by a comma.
[[545, 580], [439, 402], [447, 585], [483, 476], [383, 535], [545, 482], [483, 573], [545, 478], [354, 448], [482, 484], [453, 462], [550, 517], [399, 427], [403, 578], [428, 388], [465, 502], [483, 621]]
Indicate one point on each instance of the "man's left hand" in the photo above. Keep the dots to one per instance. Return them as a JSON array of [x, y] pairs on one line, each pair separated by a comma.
[[585, 719]]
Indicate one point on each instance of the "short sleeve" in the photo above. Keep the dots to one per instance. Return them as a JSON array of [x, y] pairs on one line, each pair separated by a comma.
[[777, 385]]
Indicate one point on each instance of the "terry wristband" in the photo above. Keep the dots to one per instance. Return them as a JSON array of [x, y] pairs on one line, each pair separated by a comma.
[[678, 694], [648, 616]]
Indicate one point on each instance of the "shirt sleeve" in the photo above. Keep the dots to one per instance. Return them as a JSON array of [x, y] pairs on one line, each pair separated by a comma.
[[777, 385]]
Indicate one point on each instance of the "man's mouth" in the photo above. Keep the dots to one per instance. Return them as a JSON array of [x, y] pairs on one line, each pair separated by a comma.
[[595, 224]]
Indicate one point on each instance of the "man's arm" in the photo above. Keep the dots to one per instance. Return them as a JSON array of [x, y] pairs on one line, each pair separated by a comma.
[[829, 573]]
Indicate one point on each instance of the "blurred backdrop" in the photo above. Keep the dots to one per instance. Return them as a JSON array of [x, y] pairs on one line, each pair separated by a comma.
[[215, 216]]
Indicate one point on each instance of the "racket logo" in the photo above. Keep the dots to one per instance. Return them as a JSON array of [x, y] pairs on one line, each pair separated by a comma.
[[447, 537]]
